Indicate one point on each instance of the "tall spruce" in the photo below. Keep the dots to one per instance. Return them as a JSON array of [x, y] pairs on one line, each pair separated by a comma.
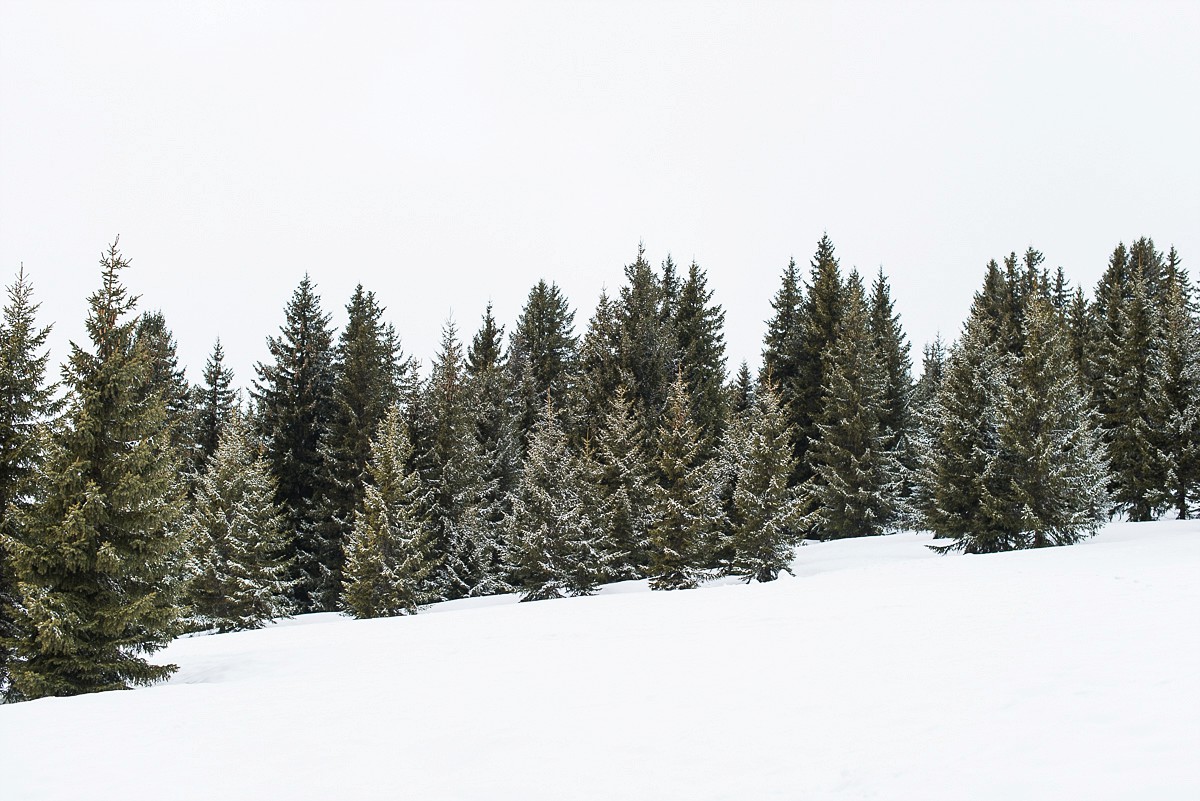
[[647, 347], [26, 402], [783, 348], [238, 576], [367, 370], [624, 483], [698, 326], [390, 559], [447, 457], [823, 310], [682, 510], [854, 476], [499, 446], [92, 554], [764, 509], [168, 377], [892, 349], [294, 405], [599, 370], [1179, 387]]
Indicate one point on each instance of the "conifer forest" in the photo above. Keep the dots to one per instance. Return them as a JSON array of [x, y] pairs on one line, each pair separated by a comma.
[[546, 456]]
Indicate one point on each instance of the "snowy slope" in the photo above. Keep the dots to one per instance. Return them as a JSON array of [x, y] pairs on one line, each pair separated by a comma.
[[880, 672]]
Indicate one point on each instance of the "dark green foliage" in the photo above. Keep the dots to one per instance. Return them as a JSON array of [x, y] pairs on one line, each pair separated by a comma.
[[26, 401], [764, 511], [741, 392], [624, 484], [237, 571], [682, 513], [854, 484], [599, 370], [698, 325], [499, 446], [390, 558], [1179, 388], [367, 372], [448, 460], [557, 547], [294, 406], [544, 348], [213, 403], [647, 343], [168, 377], [92, 554]]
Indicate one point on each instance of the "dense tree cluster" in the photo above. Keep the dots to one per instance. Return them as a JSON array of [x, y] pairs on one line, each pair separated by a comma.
[[134, 506]]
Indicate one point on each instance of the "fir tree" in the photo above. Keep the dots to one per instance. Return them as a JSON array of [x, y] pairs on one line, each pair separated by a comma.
[[682, 510], [92, 554], [700, 344], [892, 350], [26, 401], [624, 483], [741, 392], [294, 399], [765, 510], [823, 309], [447, 458], [854, 485], [366, 374], [557, 548], [1178, 386], [237, 571], [1045, 483], [499, 448], [783, 348], [599, 370], [389, 555], [168, 377], [213, 403], [544, 343], [647, 348]]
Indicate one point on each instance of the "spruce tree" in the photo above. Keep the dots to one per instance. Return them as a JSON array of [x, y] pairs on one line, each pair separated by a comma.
[[390, 560], [765, 510], [367, 371], [213, 403], [698, 325], [447, 458], [682, 511], [647, 347], [783, 349], [26, 402], [1179, 388], [1045, 484], [624, 484], [92, 553], [741, 392], [892, 350], [498, 444], [823, 310], [855, 481], [544, 345], [168, 377], [294, 404], [599, 370], [557, 549], [238, 576]]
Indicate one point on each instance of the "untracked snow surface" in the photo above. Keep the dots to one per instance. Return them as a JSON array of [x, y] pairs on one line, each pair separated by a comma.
[[881, 671]]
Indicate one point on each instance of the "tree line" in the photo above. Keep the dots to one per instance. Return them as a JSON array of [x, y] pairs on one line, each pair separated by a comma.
[[135, 506]]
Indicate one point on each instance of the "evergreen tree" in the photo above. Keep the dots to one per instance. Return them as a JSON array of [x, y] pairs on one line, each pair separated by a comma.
[[499, 448], [447, 458], [1179, 388], [624, 484], [294, 398], [237, 571], [366, 374], [892, 350], [647, 347], [700, 344], [823, 310], [682, 510], [765, 510], [544, 343], [854, 485], [389, 555], [1045, 483], [92, 554], [783, 348], [742, 393], [599, 370], [927, 422], [25, 403], [557, 548], [213, 403]]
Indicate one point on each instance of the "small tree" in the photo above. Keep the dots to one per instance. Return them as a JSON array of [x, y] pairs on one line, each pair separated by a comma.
[[238, 573], [390, 558]]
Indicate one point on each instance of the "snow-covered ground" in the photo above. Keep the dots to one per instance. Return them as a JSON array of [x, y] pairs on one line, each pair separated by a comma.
[[881, 671]]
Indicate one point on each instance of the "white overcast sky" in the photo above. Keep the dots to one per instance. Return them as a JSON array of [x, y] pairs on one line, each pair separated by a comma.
[[444, 154]]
